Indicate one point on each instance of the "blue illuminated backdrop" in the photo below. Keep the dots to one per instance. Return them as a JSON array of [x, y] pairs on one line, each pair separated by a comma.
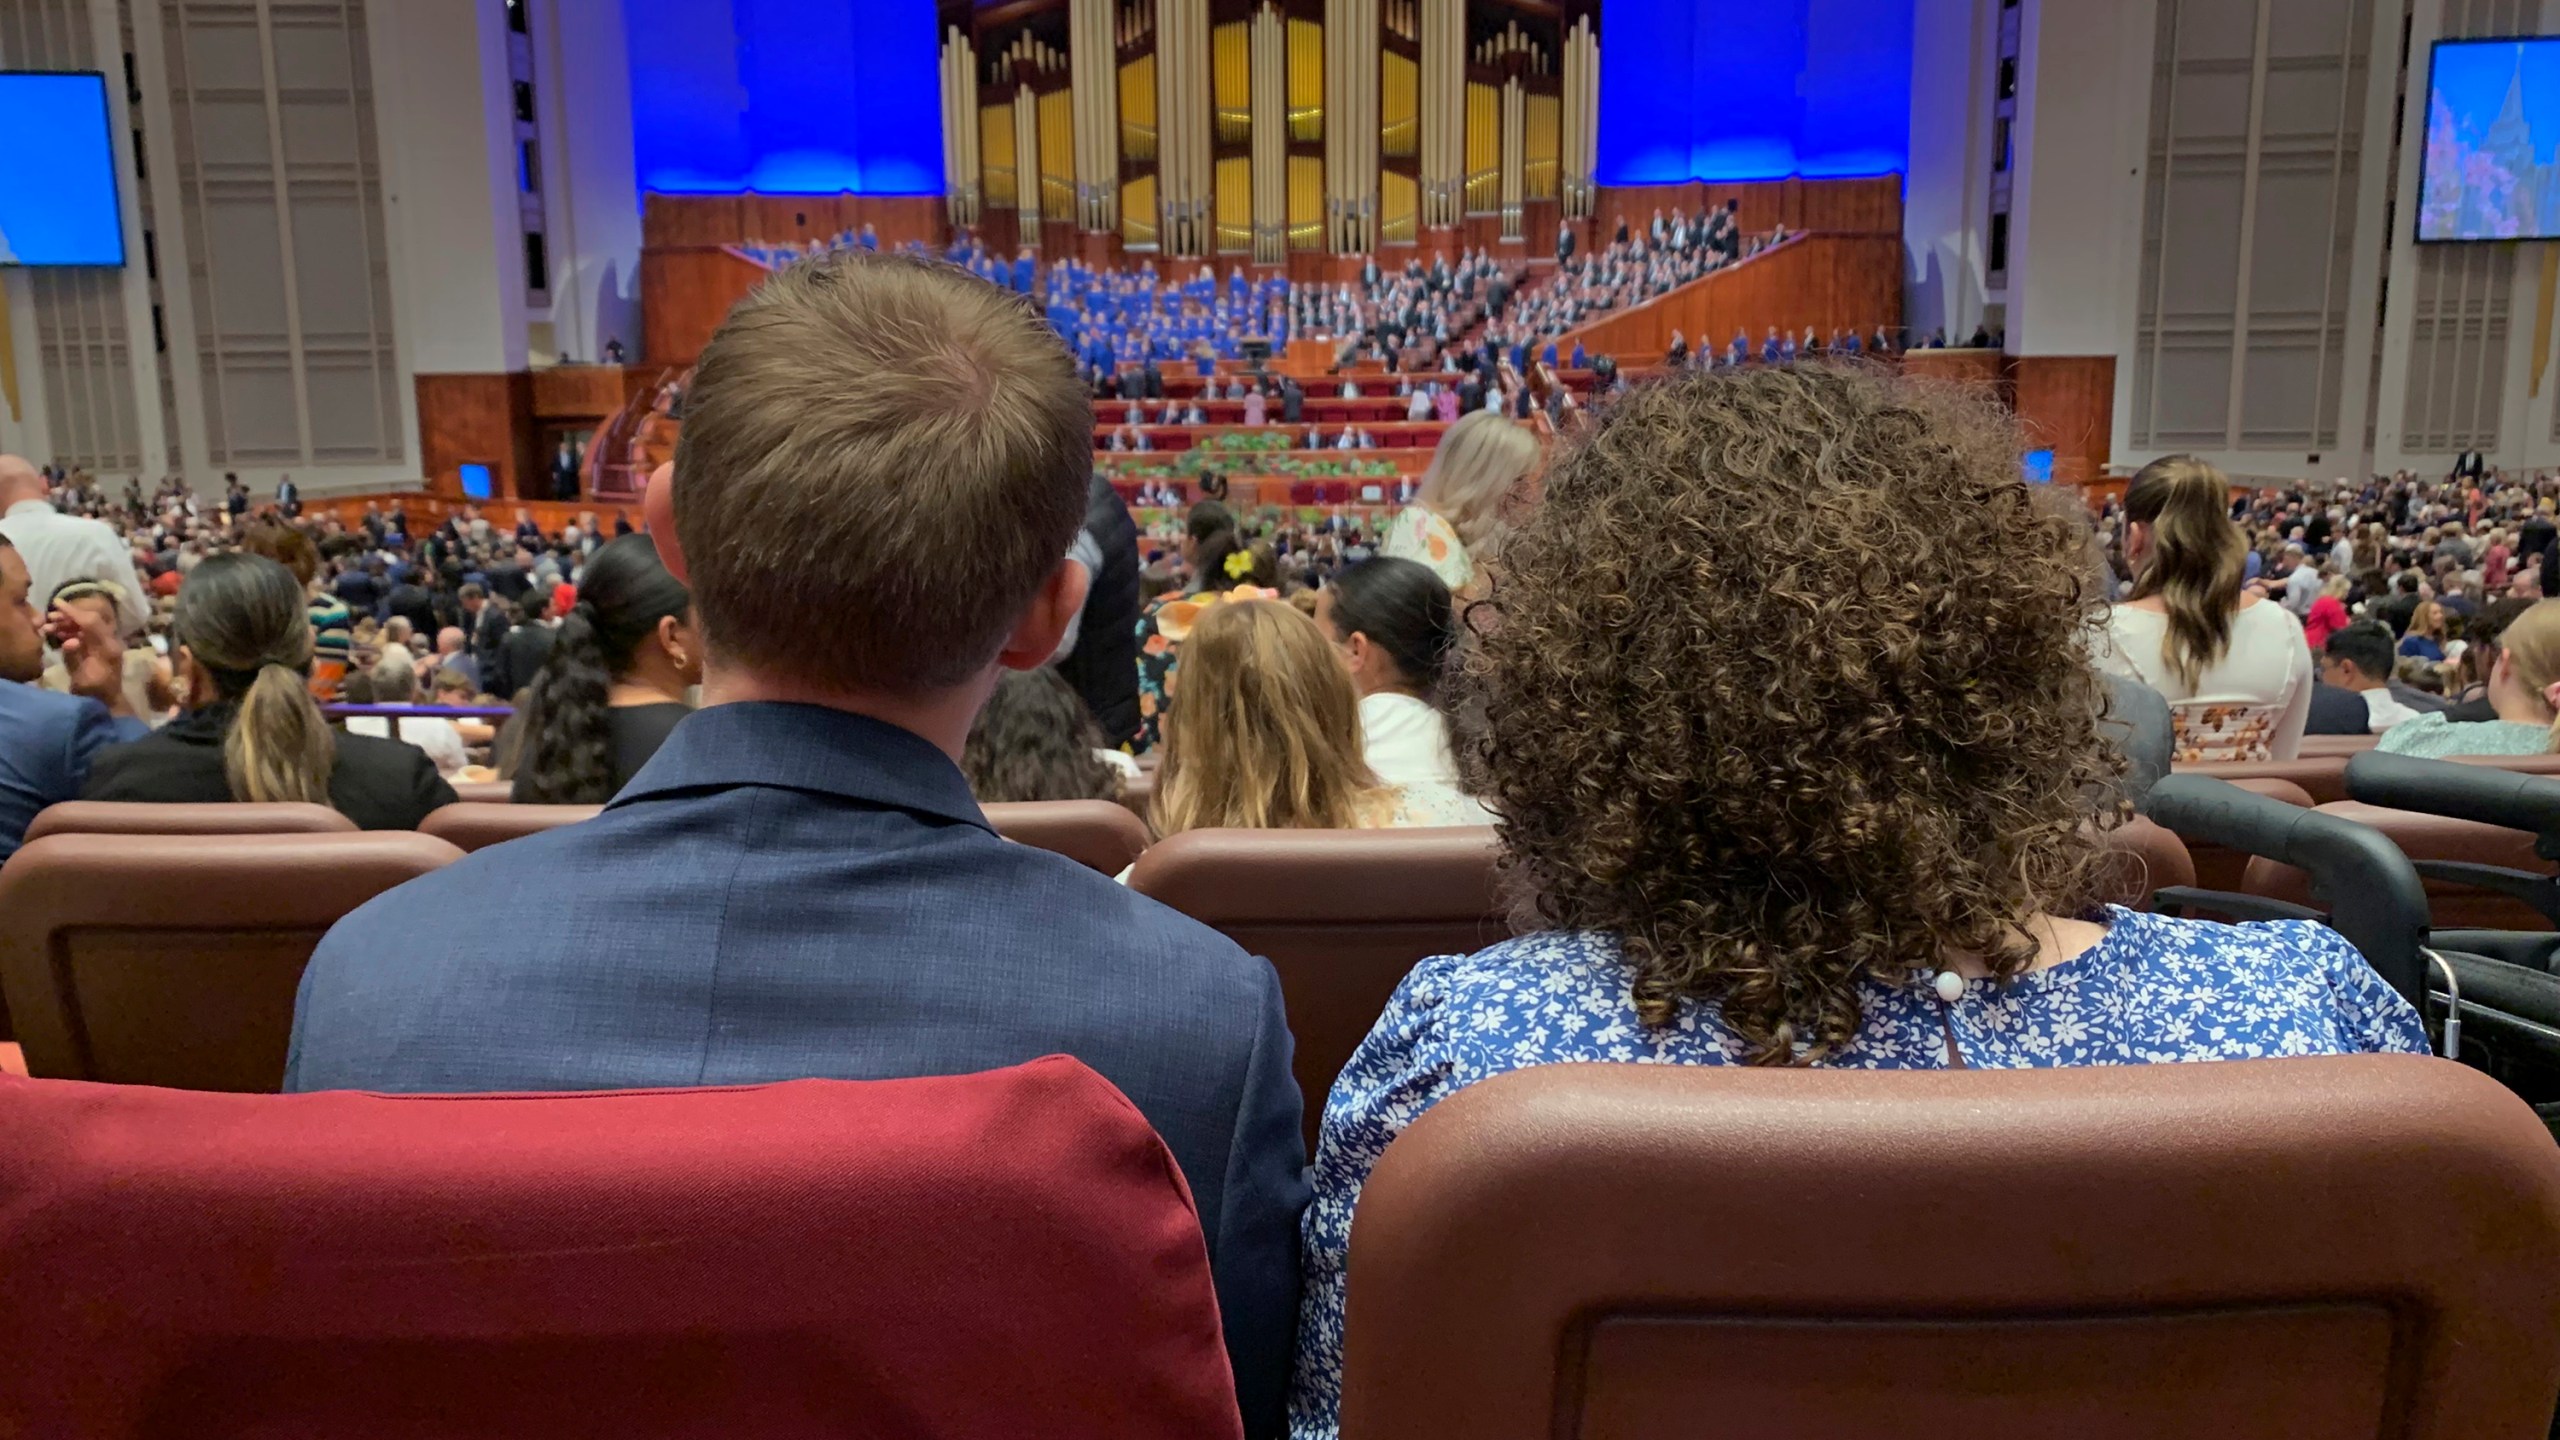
[[786, 97], [1756, 90]]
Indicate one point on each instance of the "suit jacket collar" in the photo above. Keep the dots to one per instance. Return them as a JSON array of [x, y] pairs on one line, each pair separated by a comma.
[[806, 747]]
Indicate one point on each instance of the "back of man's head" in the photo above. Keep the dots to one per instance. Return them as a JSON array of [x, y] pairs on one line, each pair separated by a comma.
[[882, 461], [20, 481], [2367, 646]]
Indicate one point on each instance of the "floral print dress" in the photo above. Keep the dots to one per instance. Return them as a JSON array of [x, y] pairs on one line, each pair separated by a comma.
[[2154, 990]]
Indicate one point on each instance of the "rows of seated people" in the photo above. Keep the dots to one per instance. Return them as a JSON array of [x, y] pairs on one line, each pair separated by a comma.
[[1754, 728]]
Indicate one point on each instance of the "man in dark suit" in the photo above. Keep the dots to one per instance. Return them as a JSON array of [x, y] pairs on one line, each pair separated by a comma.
[[1153, 379], [521, 654], [2470, 465], [289, 498], [799, 883], [1292, 400], [1564, 242]]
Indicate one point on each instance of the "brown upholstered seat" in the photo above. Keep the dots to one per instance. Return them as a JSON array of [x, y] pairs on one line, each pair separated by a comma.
[[2428, 837], [173, 960], [2361, 1245], [2316, 747], [2219, 867], [1341, 914], [1096, 833], [2324, 778], [484, 792], [1138, 792], [117, 817], [477, 825], [2149, 858]]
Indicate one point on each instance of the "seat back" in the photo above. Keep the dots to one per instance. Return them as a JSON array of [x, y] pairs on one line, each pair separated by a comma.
[[1006, 1253], [173, 960], [2428, 837], [1101, 834], [126, 817], [2323, 778], [2219, 867], [2146, 858], [2361, 1245], [476, 825], [485, 792], [1341, 914]]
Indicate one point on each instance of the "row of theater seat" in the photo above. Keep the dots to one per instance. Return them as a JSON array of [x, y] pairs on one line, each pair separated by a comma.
[[2347, 1246], [2361, 1246], [164, 944]]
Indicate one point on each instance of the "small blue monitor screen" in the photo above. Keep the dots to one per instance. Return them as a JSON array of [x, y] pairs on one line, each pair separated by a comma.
[[475, 481], [2492, 167], [2040, 467], [57, 171]]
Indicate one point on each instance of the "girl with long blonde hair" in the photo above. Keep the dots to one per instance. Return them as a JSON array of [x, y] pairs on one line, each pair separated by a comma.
[[1264, 733]]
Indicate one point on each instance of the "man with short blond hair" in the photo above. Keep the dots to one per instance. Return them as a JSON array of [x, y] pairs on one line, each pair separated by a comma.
[[883, 466]]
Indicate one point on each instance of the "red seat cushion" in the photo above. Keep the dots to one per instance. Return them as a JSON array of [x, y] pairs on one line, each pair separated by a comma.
[[997, 1254]]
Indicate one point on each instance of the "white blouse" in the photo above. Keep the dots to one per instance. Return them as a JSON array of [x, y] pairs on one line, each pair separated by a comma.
[[1406, 743], [2266, 669]]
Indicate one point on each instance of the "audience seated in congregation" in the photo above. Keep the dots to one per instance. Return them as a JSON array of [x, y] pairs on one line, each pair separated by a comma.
[[395, 682], [1036, 741], [2234, 667], [1777, 810], [248, 728], [799, 882], [2523, 699], [614, 684], [50, 742], [1397, 629]]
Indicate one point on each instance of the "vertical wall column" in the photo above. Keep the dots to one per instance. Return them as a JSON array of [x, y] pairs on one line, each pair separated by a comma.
[[1270, 137], [1352, 45], [1183, 174], [1094, 60], [960, 162], [1515, 147], [1444, 112], [1578, 153]]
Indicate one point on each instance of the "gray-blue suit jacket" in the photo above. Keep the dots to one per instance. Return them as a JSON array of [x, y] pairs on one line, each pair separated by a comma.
[[788, 891]]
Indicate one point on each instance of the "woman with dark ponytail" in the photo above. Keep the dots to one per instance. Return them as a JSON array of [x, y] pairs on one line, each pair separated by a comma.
[[1394, 624], [248, 729], [614, 685]]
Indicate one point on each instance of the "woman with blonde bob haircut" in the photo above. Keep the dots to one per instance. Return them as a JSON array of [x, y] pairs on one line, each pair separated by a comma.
[[1264, 733], [1456, 518]]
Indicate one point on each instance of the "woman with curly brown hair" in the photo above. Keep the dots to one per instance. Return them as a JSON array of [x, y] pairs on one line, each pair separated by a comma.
[[1789, 725]]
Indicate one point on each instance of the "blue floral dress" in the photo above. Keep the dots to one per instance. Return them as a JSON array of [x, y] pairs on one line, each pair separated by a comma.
[[2153, 990]]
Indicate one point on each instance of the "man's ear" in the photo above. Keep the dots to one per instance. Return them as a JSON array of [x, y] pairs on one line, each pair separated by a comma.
[[658, 517], [1044, 623]]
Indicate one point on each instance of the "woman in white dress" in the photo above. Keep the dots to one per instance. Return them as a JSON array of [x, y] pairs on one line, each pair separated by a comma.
[[1394, 624], [2234, 667]]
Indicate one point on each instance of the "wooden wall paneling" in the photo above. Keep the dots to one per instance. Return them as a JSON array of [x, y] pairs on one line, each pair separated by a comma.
[[692, 220], [684, 295], [1824, 281], [577, 392], [2068, 402], [478, 418], [1963, 367]]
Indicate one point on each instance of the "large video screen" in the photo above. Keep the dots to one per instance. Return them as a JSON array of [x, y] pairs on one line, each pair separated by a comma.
[[2492, 168], [57, 171]]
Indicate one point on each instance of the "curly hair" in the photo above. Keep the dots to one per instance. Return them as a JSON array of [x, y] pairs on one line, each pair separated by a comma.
[[1036, 741], [1785, 686]]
